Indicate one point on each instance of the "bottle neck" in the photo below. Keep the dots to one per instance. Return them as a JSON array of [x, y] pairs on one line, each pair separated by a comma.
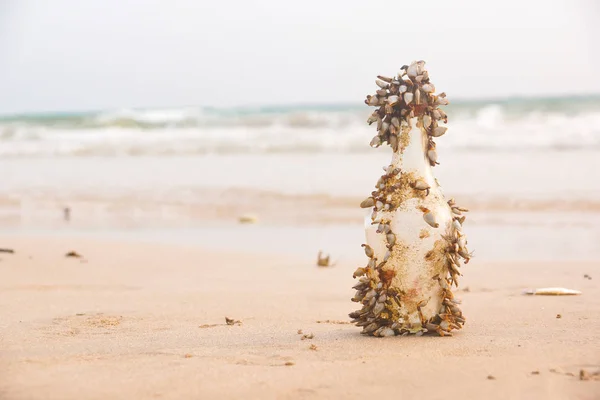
[[413, 156]]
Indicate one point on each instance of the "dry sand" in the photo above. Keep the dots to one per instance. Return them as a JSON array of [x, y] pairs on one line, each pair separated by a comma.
[[144, 321]]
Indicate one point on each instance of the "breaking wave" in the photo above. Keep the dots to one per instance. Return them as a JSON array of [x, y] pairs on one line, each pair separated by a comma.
[[507, 125]]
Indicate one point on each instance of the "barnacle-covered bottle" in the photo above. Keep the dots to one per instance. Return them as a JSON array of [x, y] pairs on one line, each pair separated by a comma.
[[415, 240]]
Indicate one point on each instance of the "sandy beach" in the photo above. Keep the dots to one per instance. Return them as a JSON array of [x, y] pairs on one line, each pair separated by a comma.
[[170, 174], [147, 320]]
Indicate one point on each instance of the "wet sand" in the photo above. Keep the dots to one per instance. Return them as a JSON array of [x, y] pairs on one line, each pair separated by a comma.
[[147, 320]]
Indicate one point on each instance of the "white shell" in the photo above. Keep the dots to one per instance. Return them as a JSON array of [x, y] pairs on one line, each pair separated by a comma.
[[375, 142], [429, 217], [432, 154], [373, 118], [392, 100], [439, 131], [426, 121], [381, 84], [408, 97], [428, 88], [387, 332], [456, 225], [416, 68], [553, 291], [421, 185]]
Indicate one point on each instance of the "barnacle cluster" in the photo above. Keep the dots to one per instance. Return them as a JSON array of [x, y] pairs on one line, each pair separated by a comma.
[[406, 285]]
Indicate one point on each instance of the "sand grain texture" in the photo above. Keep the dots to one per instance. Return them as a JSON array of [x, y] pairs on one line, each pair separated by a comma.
[[126, 321]]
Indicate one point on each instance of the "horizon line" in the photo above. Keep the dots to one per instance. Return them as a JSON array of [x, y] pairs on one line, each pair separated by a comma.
[[464, 100]]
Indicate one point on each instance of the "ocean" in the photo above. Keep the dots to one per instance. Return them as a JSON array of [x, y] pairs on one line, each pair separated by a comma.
[[546, 124], [526, 167]]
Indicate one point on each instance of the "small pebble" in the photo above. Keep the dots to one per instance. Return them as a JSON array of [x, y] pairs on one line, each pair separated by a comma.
[[313, 347], [491, 377], [299, 331], [558, 316], [289, 363], [308, 336], [535, 372]]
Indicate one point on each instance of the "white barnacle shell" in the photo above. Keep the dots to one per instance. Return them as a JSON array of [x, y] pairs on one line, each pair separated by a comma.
[[403, 88], [371, 327], [442, 101], [432, 155], [373, 100], [373, 118], [443, 283], [386, 331], [436, 114], [429, 217], [417, 96], [379, 307], [420, 184], [375, 142], [360, 271], [382, 92], [396, 122], [439, 131], [428, 88], [370, 294], [408, 97], [381, 84], [392, 100], [415, 69], [367, 203], [456, 224], [426, 121], [384, 127], [391, 238], [368, 250]]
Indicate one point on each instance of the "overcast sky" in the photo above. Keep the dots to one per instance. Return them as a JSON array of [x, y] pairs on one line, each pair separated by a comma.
[[68, 55]]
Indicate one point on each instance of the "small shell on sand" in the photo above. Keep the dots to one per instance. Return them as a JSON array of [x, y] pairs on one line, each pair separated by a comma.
[[552, 291], [248, 219], [323, 261]]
